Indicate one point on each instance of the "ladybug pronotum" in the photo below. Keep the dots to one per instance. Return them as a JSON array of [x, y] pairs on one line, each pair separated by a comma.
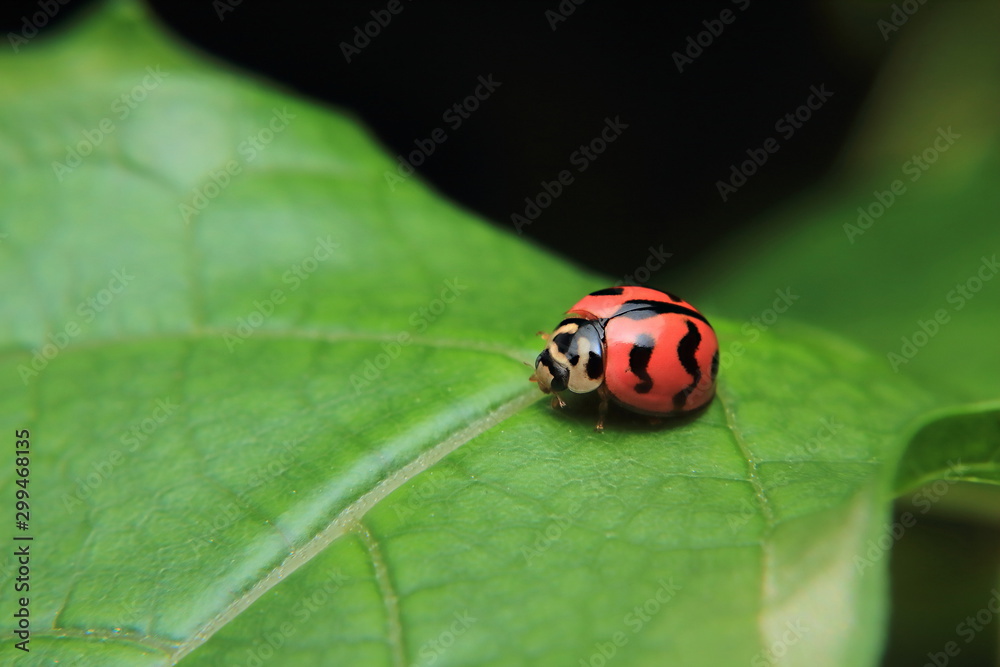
[[648, 350]]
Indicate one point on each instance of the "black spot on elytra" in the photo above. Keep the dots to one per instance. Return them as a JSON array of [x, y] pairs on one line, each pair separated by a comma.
[[609, 291], [686, 348], [715, 365], [673, 297], [640, 309], [638, 362], [595, 366]]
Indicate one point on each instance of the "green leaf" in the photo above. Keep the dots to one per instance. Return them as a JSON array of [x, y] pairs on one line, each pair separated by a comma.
[[915, 280], [960, 444], [290, 422]]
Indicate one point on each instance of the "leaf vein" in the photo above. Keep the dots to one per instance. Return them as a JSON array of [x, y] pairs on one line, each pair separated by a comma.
[[349, 518], [768, 586], [394, 626], [17, 350]]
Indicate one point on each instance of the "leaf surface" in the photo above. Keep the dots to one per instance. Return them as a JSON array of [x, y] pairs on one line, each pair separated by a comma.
[[278, 411]]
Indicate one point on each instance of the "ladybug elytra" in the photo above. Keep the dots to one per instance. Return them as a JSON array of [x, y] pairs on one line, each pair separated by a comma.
[[648, 350]]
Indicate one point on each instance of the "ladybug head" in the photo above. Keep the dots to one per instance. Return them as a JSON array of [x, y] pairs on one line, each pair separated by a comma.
[[573, 358]]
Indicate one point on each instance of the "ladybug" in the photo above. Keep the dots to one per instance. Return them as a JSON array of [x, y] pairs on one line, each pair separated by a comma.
[[650, 351]]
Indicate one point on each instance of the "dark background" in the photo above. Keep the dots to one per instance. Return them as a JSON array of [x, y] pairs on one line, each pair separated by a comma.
[[654, 186]]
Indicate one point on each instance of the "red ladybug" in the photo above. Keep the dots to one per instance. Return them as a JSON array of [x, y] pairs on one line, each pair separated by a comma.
[[650, 351]]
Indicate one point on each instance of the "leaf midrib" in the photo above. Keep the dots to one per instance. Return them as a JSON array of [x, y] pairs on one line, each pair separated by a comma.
[[349, 519], [216, 333]]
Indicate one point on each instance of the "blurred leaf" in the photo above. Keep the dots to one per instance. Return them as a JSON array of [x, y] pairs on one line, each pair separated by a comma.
[[912, 273], [898, 249], [962, 444]]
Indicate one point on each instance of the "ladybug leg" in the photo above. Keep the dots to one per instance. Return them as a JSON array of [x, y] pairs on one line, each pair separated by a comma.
[[542, 335], [602, 408], [557, 401]]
